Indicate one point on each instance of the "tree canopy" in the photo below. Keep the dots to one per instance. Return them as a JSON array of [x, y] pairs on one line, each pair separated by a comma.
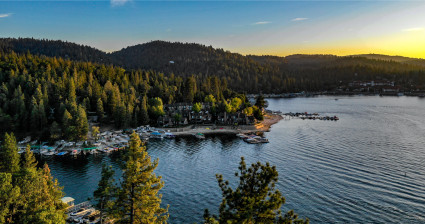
[[254, 200], [138, 200], [28, 194]]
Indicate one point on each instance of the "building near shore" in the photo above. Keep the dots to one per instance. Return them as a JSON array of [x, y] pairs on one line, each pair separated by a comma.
[[182, 114]]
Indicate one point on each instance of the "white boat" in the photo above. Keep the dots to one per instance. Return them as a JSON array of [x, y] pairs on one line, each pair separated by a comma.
[[261, 139], [169, 135], [49, 153], [251, 141], [25, 140], [22, 150]]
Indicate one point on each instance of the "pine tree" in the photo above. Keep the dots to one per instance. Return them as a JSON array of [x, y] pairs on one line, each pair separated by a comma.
[[9, 197], [29, 160], [29, 195], [260, 102], [255, 200], [190, 89], [99, 110], [9, 157], [68, 129], [144, 117], [138, 200], [81, 124], [105, 192], [95, 132]]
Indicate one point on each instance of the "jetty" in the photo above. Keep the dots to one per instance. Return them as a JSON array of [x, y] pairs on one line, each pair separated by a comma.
[[80, 213], [311, 116]]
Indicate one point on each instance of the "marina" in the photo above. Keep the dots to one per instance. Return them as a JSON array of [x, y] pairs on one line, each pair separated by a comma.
[[115, 140]]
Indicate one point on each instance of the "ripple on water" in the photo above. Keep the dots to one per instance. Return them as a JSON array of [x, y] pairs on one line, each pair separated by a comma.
[[368, 167]]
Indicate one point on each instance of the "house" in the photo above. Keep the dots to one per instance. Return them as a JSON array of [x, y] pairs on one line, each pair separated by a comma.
[[204, 116]]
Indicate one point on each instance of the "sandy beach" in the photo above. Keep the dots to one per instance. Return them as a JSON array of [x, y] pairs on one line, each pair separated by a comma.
[[263, 126]]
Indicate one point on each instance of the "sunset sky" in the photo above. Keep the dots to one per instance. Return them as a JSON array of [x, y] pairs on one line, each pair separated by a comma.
[[247, 27]]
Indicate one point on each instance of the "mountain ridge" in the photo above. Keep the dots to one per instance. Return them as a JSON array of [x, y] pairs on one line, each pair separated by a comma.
[[243, 73]]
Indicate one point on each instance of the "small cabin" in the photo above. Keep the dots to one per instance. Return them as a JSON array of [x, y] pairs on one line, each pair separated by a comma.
[[68, 200]]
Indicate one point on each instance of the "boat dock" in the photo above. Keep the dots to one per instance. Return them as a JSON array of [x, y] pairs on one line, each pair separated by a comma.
[[311, 116]]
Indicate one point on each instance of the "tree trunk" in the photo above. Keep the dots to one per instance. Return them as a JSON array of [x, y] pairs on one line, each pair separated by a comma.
[[132, 204]]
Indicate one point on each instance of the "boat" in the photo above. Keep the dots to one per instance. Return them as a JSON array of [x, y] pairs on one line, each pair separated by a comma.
[[25, 140], [156, 135], [261, 139], [251, 141], [169, 135], [75, 152], [242, 136], [199, 136], [61, 153], [49, 153]]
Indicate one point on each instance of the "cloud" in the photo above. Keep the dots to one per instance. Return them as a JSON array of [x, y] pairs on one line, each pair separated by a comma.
[[119, 2], [261, 23], [298, 19], [414, 29], [5, 15]]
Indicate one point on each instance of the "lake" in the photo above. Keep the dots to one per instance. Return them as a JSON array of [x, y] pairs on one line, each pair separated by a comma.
[[368, 167]]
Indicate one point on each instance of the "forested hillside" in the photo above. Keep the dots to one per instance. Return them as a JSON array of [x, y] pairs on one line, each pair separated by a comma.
[[51, 97], [53, 48], [413, 61], [250, 74]]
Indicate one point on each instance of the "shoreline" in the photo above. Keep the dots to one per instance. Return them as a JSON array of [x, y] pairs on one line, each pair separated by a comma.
[[263, 126]]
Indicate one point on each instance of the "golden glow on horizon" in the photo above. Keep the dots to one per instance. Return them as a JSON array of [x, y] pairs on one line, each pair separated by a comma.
[[408, 43]]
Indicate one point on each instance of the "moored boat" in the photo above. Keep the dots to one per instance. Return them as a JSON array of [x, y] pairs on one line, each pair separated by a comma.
[[251, 141], [61, 153], [169, 135], [242, 136], [75, 152], [199, 136], [156, 135]]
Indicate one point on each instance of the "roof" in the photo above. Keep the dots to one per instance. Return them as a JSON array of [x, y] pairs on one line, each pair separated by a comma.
[[67, 199]]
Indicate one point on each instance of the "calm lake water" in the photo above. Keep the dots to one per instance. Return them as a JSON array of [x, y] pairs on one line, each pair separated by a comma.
[[368, 167]]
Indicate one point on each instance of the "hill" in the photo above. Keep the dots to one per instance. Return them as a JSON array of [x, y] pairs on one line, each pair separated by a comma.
[[53, 48], [401, 59], [251, 74]]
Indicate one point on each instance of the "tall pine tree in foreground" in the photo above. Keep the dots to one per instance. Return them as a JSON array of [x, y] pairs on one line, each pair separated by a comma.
[[138, 200], [105, 193], [9, 157], [255, 200], [27, 194]]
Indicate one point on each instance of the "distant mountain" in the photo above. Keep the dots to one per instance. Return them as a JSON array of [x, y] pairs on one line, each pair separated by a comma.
[[54, 48], [401, 59], [249, 73]]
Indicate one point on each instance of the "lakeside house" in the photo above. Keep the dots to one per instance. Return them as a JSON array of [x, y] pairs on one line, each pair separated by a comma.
[[204, 116]]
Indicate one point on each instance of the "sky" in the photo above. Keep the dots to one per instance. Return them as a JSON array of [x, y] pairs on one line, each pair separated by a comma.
[[247, 27]]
